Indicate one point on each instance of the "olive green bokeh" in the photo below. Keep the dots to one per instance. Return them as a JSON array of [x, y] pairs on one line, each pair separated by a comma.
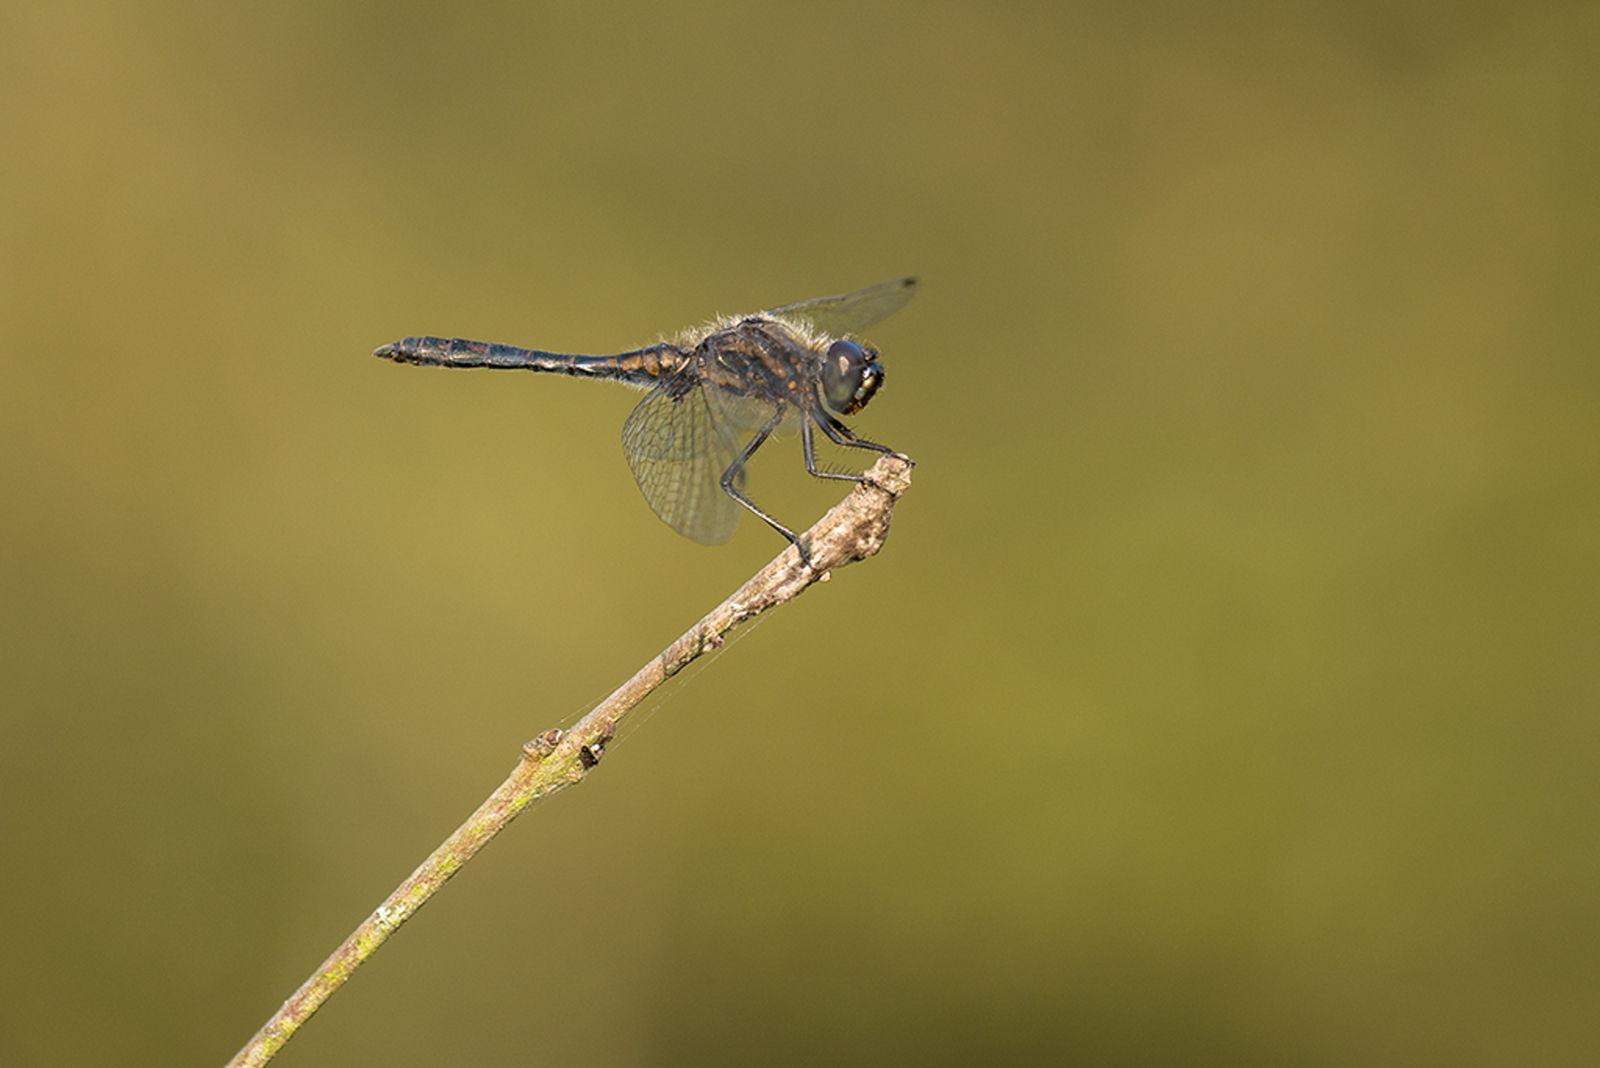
[[1228, 691]]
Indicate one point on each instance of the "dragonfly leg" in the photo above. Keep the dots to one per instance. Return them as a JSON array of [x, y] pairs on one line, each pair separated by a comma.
[[808, 446], [840, 434], [729, 482]]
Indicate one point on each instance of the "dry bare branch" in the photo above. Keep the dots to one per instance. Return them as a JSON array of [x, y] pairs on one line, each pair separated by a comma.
[[853, 530]]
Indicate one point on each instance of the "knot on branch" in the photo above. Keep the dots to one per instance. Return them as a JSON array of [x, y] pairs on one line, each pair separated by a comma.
[[542, 746]]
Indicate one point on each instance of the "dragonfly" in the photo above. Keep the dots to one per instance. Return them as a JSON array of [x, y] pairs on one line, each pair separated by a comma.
[[799, 365]]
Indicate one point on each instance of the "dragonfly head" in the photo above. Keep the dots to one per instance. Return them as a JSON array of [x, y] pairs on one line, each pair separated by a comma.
[[851, 374]]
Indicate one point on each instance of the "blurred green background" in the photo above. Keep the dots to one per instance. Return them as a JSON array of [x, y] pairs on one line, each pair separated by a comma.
[[1227, 692]]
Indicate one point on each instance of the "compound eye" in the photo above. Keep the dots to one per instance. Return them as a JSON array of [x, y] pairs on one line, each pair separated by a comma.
[[842, 370]]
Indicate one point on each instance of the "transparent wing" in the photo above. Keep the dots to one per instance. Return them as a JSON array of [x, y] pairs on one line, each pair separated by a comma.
[[851, 312], [678, 446]]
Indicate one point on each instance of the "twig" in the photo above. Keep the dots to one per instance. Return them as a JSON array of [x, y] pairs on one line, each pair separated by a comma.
[[854, 530]]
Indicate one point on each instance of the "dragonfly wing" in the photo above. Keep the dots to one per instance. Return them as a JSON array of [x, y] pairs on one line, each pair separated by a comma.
[[850, 313], [678, 446]]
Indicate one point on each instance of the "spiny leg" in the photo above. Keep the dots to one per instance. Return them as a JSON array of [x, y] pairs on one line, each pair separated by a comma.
[[809, 448], [730, 487], [840, 434]]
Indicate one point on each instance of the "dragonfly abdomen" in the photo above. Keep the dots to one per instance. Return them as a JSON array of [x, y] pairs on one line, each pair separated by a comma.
[[640, 367]]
